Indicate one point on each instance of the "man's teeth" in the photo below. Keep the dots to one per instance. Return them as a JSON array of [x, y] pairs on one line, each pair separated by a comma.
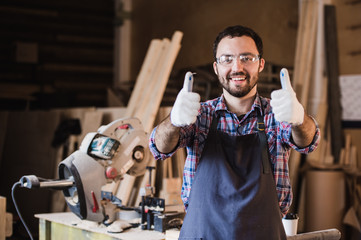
[[238, 78]]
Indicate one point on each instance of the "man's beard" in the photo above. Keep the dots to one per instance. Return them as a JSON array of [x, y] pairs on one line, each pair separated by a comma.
[[239, 91]]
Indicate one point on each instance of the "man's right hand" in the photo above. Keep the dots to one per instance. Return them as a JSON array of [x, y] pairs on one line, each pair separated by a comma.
[[186, 106]]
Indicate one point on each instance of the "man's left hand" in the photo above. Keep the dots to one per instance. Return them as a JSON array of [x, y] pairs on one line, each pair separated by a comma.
[[284, 103]]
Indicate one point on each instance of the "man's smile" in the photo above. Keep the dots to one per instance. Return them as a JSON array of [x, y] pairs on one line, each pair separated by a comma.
[[237, 78]]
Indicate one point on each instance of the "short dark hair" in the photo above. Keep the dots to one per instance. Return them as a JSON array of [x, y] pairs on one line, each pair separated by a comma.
[[238, 31]]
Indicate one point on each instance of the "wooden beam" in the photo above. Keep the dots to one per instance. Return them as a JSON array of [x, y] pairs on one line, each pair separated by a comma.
[[147, 95], [305, 46], [2, 217], [334, 95]]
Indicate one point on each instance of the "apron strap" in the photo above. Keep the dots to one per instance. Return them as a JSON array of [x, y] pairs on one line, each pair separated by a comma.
[[263, 141], [264, 146]]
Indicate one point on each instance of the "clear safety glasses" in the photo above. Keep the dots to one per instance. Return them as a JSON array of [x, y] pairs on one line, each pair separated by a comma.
[[246, 59]]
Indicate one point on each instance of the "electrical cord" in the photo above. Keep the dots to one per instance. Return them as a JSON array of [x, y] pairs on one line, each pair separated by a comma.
[[17, 209]]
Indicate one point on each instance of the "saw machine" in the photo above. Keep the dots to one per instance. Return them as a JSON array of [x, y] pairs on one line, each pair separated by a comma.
[[90, 177]]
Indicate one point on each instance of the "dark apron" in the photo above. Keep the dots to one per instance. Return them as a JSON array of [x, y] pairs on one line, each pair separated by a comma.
[[233, 195]]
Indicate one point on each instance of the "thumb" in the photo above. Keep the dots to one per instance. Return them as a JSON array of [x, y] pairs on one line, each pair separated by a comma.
[[188, 82], [285, 80]]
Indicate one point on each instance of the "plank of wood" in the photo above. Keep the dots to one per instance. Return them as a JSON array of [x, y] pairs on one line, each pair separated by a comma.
[[146, 70], [149, 66], [156, 96], [146, 101], [9, 225], [2, 218], [309, 27], [302, 70], [353, 157], [334, 96], [125, 190], [147, 94], [6, 220], [347, 148], [163, 79]]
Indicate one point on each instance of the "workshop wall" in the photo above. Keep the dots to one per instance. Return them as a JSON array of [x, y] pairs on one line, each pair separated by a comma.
[[200, 21], [55, 53], [63, 51]]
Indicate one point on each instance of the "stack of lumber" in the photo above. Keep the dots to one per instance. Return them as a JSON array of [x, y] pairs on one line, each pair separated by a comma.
[[309, 84], [146, 98], [303, 65], [316, 83]]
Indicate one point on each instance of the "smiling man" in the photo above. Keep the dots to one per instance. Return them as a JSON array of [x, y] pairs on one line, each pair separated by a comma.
[[235, 180]]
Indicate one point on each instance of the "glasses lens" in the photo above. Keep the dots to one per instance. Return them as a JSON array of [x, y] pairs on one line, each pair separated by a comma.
[[226, 59], [246, 59]]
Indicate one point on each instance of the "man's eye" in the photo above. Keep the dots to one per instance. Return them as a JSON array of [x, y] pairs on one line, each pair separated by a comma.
[[227, 59], [246, 59]]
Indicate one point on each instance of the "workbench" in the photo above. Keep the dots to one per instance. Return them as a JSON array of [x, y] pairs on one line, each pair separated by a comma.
[[60, 226], [66, 225]]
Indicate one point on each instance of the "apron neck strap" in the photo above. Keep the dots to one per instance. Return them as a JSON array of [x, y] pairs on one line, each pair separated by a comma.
[[263, 141]]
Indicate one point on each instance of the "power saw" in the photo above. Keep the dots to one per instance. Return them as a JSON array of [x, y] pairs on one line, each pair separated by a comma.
[[90, 177]]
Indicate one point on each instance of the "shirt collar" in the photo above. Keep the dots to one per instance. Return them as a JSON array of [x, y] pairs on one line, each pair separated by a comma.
[[221, 104]]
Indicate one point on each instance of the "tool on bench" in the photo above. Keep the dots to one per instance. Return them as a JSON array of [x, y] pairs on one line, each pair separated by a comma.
[[150, 205], [90, 177]]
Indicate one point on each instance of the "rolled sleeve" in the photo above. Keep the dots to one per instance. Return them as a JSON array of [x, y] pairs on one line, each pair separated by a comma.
[[153, 148]]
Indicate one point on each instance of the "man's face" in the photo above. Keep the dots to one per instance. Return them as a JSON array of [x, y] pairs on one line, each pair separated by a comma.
[[238, 78]]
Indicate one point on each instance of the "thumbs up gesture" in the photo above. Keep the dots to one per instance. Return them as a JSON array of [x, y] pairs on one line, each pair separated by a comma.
[[187, 104], [284, 103]]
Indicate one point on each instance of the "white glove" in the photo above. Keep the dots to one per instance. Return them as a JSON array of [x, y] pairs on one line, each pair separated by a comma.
[[187, 104], [284, 103]]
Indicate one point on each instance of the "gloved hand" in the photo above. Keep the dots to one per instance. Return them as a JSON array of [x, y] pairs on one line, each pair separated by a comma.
[[284, 103], [187, 104]]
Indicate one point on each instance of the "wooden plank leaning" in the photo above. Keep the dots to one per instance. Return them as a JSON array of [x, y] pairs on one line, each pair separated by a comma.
[[6, 220], [147, 68], [303, 66], [165, 70], [157, 93], [146, 102], [144, 76], [142, 103], [304, 56], [334, 95], [139, 103]]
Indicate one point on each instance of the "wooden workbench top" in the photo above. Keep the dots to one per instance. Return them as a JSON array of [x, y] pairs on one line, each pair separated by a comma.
[[68, 220]]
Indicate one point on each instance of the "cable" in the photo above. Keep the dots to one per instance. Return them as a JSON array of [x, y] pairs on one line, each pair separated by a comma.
[[17, 209]]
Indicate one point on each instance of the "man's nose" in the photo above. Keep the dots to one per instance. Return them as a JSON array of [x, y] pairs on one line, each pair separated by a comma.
[[237, 65]]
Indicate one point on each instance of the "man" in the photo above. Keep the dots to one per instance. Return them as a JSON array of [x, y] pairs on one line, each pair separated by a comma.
[[235, 181]]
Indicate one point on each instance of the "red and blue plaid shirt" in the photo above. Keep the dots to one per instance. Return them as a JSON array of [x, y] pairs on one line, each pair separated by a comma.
[[279, 139]]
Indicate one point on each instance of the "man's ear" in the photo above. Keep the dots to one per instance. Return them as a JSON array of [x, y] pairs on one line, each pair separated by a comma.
[[261, 64], [215, 68]]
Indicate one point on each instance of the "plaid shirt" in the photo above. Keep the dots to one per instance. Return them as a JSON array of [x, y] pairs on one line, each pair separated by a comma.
[[278, 136]]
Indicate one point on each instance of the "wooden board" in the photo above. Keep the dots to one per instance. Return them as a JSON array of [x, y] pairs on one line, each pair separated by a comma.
[[334, 96], [304, 57], [145, 101], [2, 217]]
